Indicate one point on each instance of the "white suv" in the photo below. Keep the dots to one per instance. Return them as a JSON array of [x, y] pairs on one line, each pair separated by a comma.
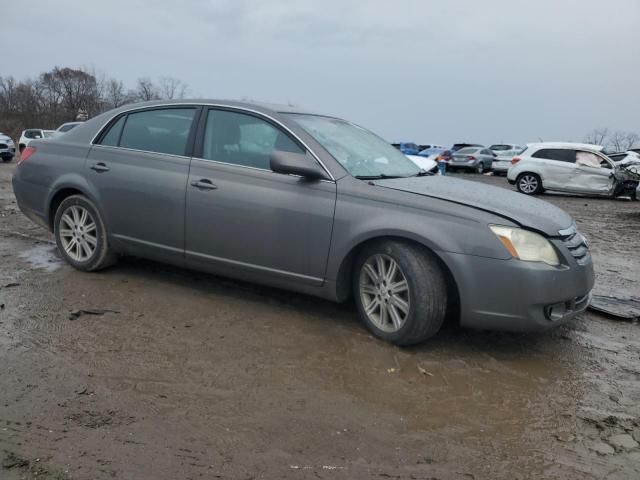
[[35, 134], [568, 167]]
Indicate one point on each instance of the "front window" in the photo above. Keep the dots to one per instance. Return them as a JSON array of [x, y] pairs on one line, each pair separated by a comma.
[[242, 139], [360, 152]]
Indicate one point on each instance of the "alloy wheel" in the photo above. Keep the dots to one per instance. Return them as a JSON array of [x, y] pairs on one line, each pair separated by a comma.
[[384, 292], [78, 233], [528, 184]]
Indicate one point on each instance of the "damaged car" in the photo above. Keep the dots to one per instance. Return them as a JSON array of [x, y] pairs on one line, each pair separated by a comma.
[[571, 168], [308, 203]]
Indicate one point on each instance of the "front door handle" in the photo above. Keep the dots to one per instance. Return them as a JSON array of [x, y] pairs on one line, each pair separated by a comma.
[[99, 167], [204, 184]]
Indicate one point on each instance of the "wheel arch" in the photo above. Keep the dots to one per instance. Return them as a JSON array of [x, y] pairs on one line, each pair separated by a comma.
[[346, 270], [65, 188]]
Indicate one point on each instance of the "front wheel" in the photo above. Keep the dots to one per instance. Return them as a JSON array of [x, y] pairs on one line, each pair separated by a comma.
[[400, 292], [529, 184], [480, 168], [81, 235]]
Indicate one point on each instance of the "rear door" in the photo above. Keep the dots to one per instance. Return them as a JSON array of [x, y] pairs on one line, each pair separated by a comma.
[[244, 219], [557, 167], [139, 169]]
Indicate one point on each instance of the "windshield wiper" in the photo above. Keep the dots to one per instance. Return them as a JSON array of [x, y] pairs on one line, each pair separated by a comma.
[[375, 177]]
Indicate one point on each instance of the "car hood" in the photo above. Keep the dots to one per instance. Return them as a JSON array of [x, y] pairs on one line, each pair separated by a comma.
[[517, 207]]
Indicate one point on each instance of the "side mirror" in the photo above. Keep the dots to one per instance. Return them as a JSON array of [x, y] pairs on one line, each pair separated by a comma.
[[296, 164]]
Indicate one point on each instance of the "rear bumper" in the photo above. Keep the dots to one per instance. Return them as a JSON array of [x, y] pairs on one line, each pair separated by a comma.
[[519, 296], [27, 194]]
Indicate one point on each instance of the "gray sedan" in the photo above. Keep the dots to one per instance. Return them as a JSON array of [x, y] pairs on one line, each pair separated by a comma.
[[475, 159], [308, 203]]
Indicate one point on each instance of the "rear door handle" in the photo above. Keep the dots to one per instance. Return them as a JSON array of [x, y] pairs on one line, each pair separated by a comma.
[[99, 167], [204, 184]]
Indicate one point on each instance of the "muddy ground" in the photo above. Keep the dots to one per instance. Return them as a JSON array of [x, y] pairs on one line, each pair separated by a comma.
[[186, 376]]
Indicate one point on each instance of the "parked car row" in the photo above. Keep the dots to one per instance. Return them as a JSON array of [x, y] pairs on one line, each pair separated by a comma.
[[8, 147]]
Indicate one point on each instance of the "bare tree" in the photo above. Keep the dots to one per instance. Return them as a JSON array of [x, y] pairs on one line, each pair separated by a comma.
[[598, 136], [115, 95], [171, 88], [622, 141], [64, 94], [146, 90]]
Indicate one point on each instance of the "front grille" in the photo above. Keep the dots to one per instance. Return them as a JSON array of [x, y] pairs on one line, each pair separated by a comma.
[[576, 244], [4, 145]]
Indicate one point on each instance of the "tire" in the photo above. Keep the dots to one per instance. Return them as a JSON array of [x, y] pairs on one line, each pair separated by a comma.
[[6, 159], [529, 184], [420, 308], [73, 231], [21, 147], [480, 168]]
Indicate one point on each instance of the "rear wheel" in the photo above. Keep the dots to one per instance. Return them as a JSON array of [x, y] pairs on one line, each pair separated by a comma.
[[400, 292], [480, 168], [81, 235], [529, 184]]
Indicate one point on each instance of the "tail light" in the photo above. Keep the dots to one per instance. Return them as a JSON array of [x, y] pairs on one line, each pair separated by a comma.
[[26, 153], [515, 160], [470, 157]]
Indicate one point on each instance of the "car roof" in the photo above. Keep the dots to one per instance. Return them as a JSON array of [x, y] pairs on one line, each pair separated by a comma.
[[584, 146], [264, 107]]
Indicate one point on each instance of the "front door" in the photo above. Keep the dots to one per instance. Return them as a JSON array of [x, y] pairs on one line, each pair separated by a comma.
[[245, 220], [593, 174]]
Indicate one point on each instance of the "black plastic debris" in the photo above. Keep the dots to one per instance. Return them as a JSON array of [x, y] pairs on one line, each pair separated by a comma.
[[621, 308], [75, 314]]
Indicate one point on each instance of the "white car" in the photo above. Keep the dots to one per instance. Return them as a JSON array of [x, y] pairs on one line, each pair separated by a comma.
[[570, 167], [504, 154], [7, 148], [35, 134], [426, 163], [65, 127]]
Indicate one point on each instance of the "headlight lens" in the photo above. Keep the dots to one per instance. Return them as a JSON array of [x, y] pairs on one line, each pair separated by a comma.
[[526, 245]]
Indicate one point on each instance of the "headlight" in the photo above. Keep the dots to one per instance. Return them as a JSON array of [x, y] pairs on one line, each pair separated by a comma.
[[526, 245]]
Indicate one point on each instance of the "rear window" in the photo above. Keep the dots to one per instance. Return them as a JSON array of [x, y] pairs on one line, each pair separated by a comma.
[[500, 148], [33, 133], [559, 154], [162, 131], [464, 151], [66, 128]]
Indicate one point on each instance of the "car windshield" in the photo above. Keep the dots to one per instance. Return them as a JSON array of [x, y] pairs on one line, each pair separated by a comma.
[[500, 148], [360, 152], [49, 133]]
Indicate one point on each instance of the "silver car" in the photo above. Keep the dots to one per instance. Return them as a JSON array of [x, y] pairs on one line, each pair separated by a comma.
[[308, 203], [504, 154], [476, 159]]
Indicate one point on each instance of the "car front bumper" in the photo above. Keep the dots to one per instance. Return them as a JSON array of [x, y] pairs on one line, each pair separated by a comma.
[[519, 296]]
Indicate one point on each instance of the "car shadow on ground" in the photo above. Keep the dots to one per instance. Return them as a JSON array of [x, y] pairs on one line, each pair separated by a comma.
[[332, 316]]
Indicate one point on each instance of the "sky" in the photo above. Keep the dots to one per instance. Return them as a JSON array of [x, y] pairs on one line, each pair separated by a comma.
[[410, 70]]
